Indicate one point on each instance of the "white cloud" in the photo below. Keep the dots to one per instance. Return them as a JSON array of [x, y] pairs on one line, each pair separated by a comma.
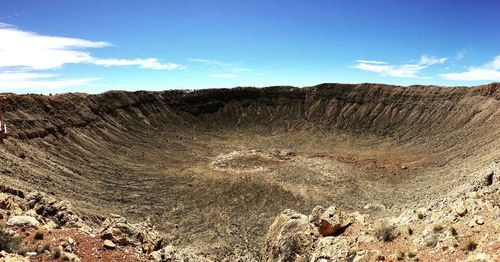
[[148, 63], [487, 72], [23, 49], [210, 62], [405, 70], [371, 62], [14, 80], [24, 54], [223, 75]]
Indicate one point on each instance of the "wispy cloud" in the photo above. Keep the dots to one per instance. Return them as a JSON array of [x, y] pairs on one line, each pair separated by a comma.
[[24, 54], [223, 69], [209, 62], [371, 62], [148, 63], [15, 80], [487, 72], [460, 54], [223, 75], [409, 70]]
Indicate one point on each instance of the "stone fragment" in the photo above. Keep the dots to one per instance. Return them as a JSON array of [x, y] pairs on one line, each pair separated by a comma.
[[108, 244], [23, 221]]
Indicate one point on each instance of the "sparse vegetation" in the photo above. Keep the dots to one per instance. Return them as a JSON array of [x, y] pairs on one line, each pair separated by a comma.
[[44, 248], [453, 231], [9, 242], [410, 231], [412, 254], [471, 245], [437, 228], [386, 233], [39, 235], [432, 242], [57, 254]]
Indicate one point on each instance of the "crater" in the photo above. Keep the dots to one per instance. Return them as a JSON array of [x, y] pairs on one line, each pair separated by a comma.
[[212, 168]]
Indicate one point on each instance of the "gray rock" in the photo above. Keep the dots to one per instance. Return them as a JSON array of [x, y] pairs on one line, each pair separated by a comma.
[[331, 249], [23, 221], [289, 238]]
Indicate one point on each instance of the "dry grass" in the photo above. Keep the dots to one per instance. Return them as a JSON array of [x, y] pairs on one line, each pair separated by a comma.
[[9, 242]]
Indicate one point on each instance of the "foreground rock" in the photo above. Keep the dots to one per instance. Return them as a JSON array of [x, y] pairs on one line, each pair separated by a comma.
[[290, 238], [461, 227], [119, 231], [61, 212], [23, 221]]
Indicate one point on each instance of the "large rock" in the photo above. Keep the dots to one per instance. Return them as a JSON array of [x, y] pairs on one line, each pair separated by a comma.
[[13, 204], [23, 221], [68, 256], [459, 208], [108, 244], [7, 257], [120, 231], [59, 211], [331, 249], [330, 221], [289, 238]]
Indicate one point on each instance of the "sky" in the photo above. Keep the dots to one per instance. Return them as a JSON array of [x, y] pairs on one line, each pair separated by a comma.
[[93, 46]]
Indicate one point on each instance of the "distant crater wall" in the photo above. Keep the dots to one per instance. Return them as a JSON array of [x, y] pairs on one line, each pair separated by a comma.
[[401, 112]]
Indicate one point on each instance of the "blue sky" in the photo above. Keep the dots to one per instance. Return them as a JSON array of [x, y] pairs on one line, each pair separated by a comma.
[[93, 46]]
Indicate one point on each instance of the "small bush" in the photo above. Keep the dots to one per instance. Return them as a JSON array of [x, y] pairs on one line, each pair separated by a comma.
[[437, 229], [410, 231], [453, 231], [57, 254], [412, 254], [9, 242], [386, 233], [432, 242], [471, 245], [39, 235]]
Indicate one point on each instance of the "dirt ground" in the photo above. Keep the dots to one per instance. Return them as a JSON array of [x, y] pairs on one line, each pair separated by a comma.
[[213, 168]]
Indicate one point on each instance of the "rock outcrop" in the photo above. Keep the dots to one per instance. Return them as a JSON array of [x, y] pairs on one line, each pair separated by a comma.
[[459, 227]]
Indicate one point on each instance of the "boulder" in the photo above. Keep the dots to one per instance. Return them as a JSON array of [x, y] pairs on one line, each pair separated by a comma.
[[68, 256], [289, 238], [68, 245], [330, 221], [121, 232], [108, 244], [23, 221], [8, 257], [331, 249], [59, 211], [13, 204], [479, 257], [459, 208]]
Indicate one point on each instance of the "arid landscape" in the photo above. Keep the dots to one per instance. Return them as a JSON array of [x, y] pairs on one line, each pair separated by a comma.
[[212, 169]]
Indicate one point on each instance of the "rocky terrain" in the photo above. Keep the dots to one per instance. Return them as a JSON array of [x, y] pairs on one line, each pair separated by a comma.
[[382, 172]]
